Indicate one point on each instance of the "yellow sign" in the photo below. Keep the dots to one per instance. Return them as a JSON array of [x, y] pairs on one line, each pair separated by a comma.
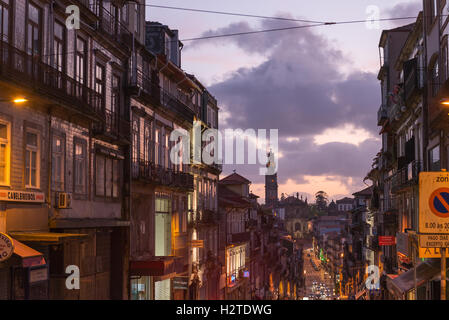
[[434, 202], [434, 240], [431, 252]]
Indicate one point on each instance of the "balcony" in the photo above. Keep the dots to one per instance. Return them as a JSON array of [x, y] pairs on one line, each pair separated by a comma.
[[203, 218], [239, 237], [113, 128], [142, 85], [111, 28], [175, 105], [406, 177], [148, 172], [40, 79], [382, 115]]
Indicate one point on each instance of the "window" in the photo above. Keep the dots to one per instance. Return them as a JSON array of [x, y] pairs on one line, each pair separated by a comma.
[[107, 176], [4, 20], [94, 6], [165, 155], [33, 30], [136, 143], [99, 86], [157, 151], [136, 18], [32, 159], [57, 163], [435, 78], [99, 79], [115, 95], [147, 141], [162, 225], [434, 159], [80, 64], [444, 53], [125, 13], [58, 44], [113, 107], [4, 153], [79, 167], [434, 9]]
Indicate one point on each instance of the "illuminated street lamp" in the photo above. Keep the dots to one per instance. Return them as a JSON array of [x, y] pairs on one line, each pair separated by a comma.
[[444, 101], [16, 100]]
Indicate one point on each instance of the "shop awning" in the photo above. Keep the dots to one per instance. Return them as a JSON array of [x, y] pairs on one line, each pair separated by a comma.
[[46, 237], [29, 256], [425, 271]]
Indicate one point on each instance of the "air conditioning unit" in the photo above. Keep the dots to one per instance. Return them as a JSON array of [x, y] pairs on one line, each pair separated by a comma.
[[63, 200]]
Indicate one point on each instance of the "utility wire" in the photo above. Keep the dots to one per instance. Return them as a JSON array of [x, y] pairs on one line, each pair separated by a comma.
[[231, 13]]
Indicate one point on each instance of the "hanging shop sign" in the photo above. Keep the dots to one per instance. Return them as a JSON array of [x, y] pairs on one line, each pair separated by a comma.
[[434, 202], [22, 196], [6, 247], [387, 240]]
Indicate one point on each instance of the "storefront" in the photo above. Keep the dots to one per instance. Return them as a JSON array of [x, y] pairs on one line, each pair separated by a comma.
[[23, 272]]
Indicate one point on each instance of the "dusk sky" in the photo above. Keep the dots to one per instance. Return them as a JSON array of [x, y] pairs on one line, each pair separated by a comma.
[[328, 135]]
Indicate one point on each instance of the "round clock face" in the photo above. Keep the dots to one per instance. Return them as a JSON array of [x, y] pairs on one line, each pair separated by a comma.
[[6, 247]]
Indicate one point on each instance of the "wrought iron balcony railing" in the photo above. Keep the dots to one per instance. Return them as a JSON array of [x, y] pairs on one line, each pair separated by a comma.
[[114, 127], [406, 176], [147, 171], [30, 73], [176, 105], [111, 27]]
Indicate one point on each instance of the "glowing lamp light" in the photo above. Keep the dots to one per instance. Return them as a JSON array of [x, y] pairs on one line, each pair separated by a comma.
[[444, 102], [19, 100]]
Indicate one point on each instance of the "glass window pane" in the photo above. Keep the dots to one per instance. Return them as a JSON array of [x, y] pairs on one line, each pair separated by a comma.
[[31, 139], [108, 177], [100, 175], [33, 13], [116, 175], [3, 131]]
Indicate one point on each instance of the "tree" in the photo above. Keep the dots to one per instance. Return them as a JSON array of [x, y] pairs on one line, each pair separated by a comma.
[[321, 200]]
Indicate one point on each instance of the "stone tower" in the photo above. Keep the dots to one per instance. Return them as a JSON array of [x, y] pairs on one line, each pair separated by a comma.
[[271, 184]]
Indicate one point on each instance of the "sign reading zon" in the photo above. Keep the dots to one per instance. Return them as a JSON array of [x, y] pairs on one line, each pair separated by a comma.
[[434, 202]]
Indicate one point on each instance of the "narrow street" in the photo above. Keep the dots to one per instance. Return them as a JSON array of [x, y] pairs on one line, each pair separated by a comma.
[[317, 277]]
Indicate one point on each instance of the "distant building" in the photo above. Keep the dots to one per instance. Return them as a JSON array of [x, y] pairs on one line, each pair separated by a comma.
[[345, 204], [271, 187]]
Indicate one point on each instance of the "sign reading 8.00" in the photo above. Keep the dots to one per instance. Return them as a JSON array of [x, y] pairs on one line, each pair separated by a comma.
[[434, 202]]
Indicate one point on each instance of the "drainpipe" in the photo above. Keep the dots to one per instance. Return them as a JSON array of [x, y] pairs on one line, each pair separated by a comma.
[[425, 97]]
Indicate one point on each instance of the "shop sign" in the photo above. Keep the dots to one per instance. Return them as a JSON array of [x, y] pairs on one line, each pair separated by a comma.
[[37, 275], [434, 202], [22, 196], [6, 247], [387, 240], [180, 283]]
